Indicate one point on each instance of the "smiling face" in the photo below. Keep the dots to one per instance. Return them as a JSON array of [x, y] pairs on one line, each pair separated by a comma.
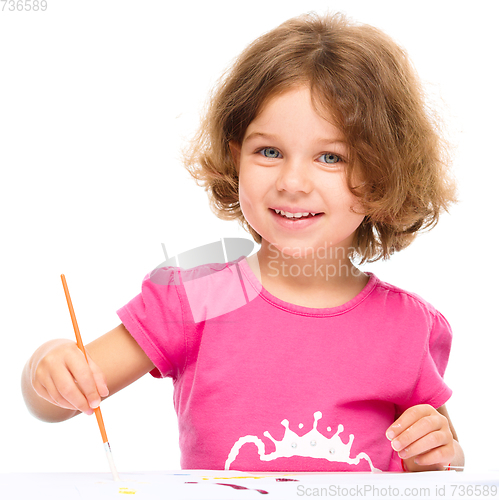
[[293, 160]]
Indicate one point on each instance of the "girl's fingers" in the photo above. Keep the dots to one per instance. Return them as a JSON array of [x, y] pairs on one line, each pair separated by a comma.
[[64, 378], [55, 397], [43, 393], [408, 418], [432, 441], [99, 378], [71, 393], [426, 425], [422, 434], [439, 456], [84, 393]]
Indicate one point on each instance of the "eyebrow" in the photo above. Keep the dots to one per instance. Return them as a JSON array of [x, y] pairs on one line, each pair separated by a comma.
[[271, 137]]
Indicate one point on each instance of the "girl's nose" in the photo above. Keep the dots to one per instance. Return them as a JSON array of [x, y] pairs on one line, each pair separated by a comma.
[[293, 177]]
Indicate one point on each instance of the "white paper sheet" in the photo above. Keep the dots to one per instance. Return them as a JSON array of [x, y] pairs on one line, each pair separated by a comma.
[[220, 485]]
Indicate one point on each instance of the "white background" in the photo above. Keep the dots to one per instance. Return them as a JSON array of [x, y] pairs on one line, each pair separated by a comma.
[[96, 100]]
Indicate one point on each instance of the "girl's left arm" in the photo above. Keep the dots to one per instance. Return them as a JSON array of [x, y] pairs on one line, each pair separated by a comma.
[[425, 439]]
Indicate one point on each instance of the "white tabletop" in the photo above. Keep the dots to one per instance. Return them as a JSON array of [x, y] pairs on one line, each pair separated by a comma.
[[232, 485]]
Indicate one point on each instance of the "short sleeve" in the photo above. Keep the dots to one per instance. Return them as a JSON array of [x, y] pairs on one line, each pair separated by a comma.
[[154, 319], [430, 387]]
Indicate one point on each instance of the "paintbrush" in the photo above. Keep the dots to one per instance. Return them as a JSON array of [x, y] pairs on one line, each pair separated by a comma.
[[97, 411]]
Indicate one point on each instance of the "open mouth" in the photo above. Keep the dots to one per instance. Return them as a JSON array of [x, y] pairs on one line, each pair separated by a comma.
[[297, 216]]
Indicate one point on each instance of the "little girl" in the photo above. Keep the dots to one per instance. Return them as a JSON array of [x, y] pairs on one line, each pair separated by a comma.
[[319, 142]]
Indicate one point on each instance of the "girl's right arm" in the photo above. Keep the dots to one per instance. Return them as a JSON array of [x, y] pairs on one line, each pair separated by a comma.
[[58, 383]]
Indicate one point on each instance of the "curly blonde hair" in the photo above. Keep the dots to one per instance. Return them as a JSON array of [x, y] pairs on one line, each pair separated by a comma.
[[362, 81]]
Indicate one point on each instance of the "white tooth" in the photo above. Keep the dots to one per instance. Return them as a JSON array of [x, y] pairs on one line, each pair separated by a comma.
[[305, 214], [287, 214], [311, 213], [276, 211]]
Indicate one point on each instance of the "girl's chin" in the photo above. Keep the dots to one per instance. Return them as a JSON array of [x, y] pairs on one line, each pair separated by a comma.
[[289, 250], [299, 248]]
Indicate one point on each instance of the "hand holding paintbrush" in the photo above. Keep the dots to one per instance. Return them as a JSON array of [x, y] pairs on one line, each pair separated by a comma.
[[60, 379], [97, 410]]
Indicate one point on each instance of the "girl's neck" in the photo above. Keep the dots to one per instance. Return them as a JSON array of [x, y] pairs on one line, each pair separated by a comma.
[[325, 278]]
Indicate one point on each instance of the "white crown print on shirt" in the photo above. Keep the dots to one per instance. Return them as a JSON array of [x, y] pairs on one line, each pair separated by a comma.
[[311, 445]]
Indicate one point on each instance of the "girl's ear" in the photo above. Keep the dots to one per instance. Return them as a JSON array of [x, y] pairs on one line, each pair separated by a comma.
[[235, 150]]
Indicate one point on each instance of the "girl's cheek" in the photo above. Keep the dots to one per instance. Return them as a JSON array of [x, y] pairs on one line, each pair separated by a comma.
[[245, 201]]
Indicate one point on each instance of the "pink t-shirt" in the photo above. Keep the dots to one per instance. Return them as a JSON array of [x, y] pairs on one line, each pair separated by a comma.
[[265, 385]]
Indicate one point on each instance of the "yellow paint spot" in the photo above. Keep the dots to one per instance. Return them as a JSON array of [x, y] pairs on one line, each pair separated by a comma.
[[127, 491]]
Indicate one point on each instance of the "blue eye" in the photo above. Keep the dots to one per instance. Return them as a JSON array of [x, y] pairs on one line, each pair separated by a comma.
[[330, 158], [269, 152]]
